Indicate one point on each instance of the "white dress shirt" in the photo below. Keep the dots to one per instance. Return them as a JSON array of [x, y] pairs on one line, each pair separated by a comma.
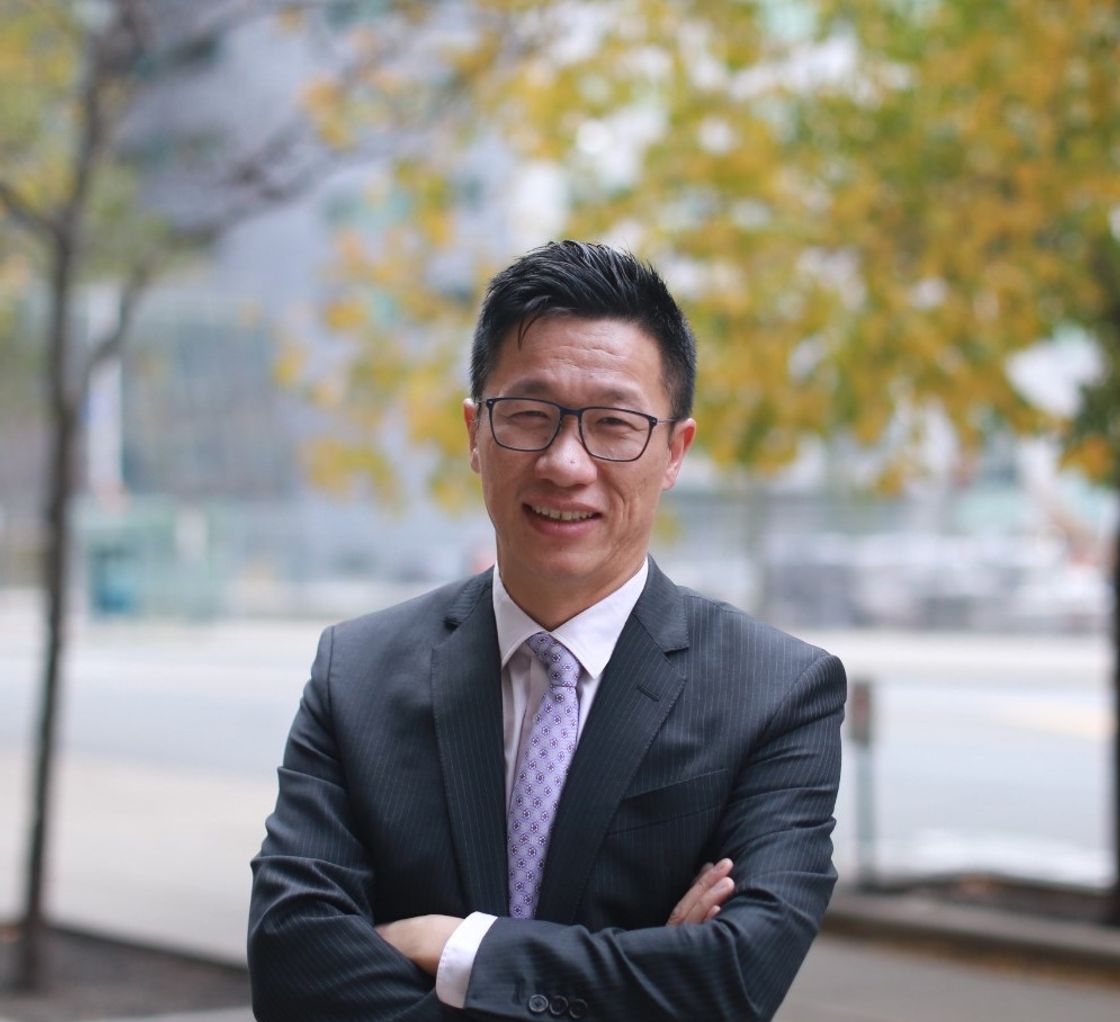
[[591, 636]]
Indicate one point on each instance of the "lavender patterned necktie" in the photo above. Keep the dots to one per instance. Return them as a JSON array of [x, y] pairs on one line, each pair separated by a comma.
[[544, 766]]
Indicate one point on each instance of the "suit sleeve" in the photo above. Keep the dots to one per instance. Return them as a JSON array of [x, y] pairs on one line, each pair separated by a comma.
[[314, 955], [776, 828]]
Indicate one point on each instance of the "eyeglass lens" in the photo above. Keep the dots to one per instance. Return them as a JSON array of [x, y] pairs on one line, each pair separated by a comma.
[[527, 424]]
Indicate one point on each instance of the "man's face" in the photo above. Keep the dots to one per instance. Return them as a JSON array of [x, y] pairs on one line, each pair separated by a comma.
[[570, 528]]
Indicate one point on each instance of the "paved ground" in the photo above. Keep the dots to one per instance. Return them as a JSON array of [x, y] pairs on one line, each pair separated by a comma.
[[852, 981], [234, 1015], [87, 976]]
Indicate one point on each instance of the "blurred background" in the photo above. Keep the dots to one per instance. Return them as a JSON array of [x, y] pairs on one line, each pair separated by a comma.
[[241, 249]]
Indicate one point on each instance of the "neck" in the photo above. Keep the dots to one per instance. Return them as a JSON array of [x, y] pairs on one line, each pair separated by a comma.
[[551, 607], [552, 613]]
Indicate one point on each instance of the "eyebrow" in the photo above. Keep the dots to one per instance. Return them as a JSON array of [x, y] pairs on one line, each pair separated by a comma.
[[620, 397]]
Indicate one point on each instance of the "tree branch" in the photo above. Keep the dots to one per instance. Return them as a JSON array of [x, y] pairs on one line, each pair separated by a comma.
[[26, 214], [235, 15], [92, 135], [266, 192], [109, 344], [252, 168], [275, 172]]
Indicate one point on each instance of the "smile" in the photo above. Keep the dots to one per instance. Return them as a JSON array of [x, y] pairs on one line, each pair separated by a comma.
[[562, 516]]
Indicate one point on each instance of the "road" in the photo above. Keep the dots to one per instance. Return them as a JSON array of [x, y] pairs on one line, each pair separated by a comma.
[[989, 753]]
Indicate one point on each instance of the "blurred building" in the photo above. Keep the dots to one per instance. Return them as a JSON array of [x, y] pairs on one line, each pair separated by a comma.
[[1013, 546]]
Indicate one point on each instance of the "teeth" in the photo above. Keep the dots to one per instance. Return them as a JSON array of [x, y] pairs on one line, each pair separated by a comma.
[[561, 516]]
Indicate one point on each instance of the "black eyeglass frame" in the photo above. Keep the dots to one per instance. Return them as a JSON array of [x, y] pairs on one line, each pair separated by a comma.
[[565, 411]]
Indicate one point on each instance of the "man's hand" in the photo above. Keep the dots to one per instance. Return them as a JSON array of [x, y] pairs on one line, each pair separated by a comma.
[[420, 939], [711, 888]]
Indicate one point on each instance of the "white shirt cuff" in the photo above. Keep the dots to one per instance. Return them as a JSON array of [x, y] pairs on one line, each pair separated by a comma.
[[453, 974]]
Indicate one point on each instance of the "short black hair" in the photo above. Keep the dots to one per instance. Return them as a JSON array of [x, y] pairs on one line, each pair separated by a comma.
[[586, 281]]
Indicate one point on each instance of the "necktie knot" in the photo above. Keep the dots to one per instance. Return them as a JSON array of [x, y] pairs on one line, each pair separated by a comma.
[[558, 660]]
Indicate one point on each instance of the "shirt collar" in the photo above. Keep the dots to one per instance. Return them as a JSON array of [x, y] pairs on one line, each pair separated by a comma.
[[591, 635]]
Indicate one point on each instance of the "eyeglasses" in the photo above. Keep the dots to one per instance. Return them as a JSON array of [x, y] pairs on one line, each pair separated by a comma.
[[608, 434]]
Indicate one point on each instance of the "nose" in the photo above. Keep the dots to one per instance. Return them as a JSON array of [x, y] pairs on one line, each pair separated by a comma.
[[566, 461]]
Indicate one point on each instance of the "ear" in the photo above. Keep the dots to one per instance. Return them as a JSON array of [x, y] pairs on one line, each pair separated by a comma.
[[680, 440], [471, 418]]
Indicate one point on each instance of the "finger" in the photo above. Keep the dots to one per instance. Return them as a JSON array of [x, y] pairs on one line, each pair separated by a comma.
[[703, 894], [713, 889], [713, 898], [693, 904], [683, 909], [693, 893]]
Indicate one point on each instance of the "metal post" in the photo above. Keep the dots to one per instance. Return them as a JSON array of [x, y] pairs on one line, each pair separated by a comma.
[[860, 731]]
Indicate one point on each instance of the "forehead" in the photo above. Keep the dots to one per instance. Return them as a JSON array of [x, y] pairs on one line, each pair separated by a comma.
[[570, 358]]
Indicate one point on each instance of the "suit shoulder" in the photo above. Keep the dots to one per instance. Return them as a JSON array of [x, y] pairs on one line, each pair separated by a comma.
[[715, 620], [424, 617]]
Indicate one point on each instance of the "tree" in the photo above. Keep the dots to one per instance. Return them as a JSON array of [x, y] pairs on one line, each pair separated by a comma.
[[586, 91], [970, 175], [103, 177], [869, 208]]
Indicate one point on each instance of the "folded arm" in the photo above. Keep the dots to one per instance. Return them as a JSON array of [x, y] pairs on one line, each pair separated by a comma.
[[421, 939], [316, 951], [776, 828]]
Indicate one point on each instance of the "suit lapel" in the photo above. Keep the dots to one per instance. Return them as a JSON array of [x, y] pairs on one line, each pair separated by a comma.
[[637, 691], [467, 706]]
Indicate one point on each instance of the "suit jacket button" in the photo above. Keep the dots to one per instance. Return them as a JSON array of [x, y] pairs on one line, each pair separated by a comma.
[[577, 1007], [538, 1003], [558, 1005]]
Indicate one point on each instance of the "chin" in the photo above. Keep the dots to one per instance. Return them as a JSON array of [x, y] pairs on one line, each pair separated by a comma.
[[563, 570]]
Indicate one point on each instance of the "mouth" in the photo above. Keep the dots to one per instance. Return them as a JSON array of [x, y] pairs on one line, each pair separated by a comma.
[[555, 515]]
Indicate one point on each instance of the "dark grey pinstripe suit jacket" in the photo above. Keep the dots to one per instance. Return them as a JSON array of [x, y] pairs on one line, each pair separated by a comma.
[[711, 735]]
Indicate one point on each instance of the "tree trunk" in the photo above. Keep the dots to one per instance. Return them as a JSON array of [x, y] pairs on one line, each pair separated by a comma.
[[1113, 913], [56, 557]]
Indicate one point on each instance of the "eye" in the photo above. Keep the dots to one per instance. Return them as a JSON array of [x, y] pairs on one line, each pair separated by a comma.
[[526, 414], [614, 420]]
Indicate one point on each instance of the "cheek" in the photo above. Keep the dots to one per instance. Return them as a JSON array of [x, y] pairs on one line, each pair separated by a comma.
[[639, 496]]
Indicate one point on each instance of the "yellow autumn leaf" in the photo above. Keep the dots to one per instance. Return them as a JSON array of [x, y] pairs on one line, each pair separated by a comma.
[[345, 314]]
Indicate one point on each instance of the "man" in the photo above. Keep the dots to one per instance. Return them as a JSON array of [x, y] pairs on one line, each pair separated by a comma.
[[504, 799]]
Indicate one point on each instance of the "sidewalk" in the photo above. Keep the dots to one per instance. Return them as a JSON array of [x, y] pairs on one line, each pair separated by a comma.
[[1079, 949], [233, 1015], [850, 980]]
